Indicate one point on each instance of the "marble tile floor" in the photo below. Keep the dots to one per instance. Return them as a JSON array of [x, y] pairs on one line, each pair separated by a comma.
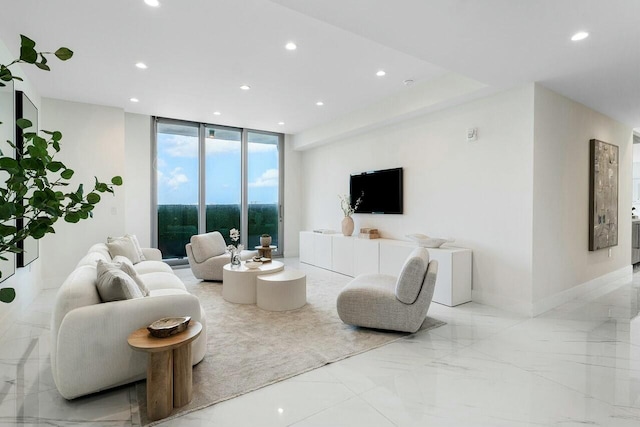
[[576, 365]]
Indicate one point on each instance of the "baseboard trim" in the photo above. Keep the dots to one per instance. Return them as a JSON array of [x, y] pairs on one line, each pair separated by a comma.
[[500, 301], [588, 290]]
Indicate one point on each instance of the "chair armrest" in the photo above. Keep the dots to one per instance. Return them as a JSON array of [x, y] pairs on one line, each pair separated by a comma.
[[92, 349], [152, 254]]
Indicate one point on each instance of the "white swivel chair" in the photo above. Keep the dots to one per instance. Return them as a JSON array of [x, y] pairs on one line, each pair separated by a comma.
[[207, 254], [381, 301]]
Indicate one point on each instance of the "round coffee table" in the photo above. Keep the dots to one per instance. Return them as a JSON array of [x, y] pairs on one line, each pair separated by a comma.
[[239, 283], [283, 291], [169, 370]]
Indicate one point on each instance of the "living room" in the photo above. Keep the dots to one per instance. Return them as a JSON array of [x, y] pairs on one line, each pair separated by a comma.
[[516, 196]]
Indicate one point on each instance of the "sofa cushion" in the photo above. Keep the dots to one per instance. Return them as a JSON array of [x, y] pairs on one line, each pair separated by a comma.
[[146, 267], [412, 275], [92, 259], [127, 266], [114, 284], [205, 246], [126, 245], [162, 280]]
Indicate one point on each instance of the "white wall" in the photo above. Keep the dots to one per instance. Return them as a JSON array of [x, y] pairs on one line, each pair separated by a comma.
[[292, 198], [93, 145], [137, 174], [479, 193], [561, 257]]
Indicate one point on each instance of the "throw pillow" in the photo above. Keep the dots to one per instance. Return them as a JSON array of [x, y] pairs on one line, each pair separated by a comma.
[[127, 266], [114, 284], [127, 246], [412, 275]]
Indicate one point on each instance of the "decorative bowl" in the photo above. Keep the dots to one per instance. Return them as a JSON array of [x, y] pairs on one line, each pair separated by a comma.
[[252, 264], [428, 242], [168, 326]]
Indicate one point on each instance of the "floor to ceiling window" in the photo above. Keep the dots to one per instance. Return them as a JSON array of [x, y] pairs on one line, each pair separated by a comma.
[[215, 178]]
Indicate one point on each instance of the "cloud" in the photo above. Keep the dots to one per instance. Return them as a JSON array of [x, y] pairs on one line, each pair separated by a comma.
[[187, 146], [268, 179], [174, 180]]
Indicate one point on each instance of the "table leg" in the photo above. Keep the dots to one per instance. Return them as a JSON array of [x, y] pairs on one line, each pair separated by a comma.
[[160, 385], [182, 376]]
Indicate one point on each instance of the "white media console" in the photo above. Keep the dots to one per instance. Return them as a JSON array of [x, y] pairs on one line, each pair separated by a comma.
[[352, 256]]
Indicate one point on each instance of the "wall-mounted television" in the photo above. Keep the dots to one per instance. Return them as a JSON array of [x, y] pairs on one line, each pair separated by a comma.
[[381, 191]]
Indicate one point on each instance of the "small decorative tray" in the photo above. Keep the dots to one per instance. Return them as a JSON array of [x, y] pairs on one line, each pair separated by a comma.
[[168, 326]]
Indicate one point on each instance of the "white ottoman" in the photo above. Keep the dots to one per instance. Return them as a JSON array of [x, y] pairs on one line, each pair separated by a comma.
[[286, 290]]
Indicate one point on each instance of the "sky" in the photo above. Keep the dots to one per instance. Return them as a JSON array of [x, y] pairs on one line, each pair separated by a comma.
[[177, 171]]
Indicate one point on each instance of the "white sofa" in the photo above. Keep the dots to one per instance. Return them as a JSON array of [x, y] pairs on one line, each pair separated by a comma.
[[207, 254], [89, 349]]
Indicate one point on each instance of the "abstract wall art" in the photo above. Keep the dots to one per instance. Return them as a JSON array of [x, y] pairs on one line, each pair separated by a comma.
[[603, 195]]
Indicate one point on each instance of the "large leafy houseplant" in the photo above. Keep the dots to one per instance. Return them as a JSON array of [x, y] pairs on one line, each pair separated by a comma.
[[32, 183]]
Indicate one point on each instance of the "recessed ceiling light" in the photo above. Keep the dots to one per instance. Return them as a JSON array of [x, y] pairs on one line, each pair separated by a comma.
[[291, 46], [245, 87], [216, 113], [581, 35], [141, 65], [319, 103], [134, 100], [153, 3], [380, 73], [281, 123]]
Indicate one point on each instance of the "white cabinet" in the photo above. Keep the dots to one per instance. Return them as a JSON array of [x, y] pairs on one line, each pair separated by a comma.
[[353, 256], [307, 252], [342, 254], [366, 256]]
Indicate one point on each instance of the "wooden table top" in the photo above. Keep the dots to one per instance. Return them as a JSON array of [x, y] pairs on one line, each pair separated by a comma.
[[141, 339]]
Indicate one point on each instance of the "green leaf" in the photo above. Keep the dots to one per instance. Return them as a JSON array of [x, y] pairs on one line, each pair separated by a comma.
[[56, 136], [10, 165], [55, 166], [63, 53], [93, 198], [72, 217], [7, 295], [67, 173], [42, 66], [26, 41], [28, 54], [24, 123], [116, 180]]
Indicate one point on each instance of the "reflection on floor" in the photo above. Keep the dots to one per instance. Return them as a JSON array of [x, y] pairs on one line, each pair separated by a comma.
[[576, 365]]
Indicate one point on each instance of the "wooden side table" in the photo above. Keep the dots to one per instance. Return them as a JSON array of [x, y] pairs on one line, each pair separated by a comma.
[[265, 251], [169, 370]]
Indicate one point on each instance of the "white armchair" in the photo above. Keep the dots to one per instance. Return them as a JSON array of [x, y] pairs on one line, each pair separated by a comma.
[[207, 254], [381, 301]]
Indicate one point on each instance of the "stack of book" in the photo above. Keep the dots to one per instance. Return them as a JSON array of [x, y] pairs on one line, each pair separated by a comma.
[[369, 233]]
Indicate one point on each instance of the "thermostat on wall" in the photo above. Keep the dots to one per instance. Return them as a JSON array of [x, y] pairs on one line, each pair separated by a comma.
[[472, 134]]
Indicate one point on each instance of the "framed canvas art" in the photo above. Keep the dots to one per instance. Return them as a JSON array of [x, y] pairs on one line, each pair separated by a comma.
[[603, 195], [25, 110], [7, 120]]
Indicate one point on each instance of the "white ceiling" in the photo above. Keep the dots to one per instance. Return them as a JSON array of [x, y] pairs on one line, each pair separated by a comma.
[[200, 51]]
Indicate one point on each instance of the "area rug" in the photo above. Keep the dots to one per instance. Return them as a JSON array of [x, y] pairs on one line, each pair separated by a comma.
[[249, 348]]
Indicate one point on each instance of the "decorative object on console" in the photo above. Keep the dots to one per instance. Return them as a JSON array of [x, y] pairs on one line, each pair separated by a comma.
[[168, 326], [603, 195], [429, 242], [369, 233], [265, 240], [348, 210], [236, 248]]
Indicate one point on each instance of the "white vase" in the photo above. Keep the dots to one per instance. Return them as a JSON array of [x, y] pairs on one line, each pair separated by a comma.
[[347, 226]]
